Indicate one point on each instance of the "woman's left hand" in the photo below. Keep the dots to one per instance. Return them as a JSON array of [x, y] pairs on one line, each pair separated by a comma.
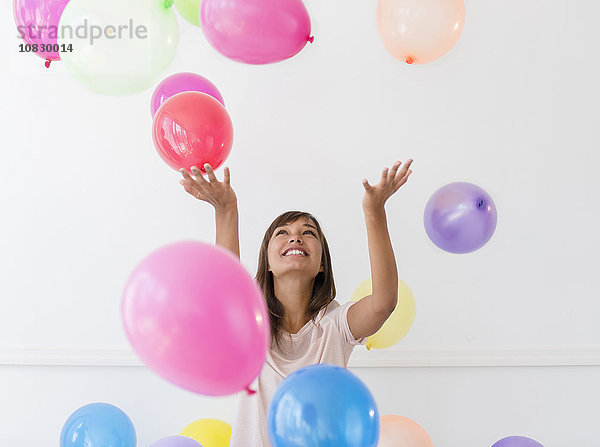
[[376, 196]]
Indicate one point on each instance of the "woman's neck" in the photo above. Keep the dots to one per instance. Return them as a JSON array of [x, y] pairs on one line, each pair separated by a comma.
[[295, 295]]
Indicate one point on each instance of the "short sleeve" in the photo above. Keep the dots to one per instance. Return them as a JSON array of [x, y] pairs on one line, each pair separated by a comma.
[[340, 316]]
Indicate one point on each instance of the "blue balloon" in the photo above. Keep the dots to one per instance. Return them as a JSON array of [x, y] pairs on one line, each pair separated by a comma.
[[98, 425], [323, 405]]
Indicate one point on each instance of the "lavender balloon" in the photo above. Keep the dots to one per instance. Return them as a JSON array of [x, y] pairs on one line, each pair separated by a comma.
[[176, 441], [517, 441], [182, 82], [460, 217]]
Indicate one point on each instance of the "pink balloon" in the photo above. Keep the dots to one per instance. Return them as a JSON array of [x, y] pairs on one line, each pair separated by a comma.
[[182, 82], [197, 318], [256, 31], [37, 23]]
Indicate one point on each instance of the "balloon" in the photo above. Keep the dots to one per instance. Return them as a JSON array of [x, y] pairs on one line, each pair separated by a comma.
[[420, 31], [197, 318], [189, 10], [398, 431], [460, 217], [399, 322], [182, 82], [517, 441], [37, 23], [323, 405], [98, 424], [176, 441], [209, 432], [256, 31], [191, 129], [125, 45]]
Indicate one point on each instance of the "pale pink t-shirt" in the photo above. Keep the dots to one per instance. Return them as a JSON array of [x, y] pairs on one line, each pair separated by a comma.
[[326, 340]]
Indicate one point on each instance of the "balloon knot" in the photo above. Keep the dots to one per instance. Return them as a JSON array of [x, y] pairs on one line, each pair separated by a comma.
[[311, 39], [409, 60], [168, 3], [249, 391], [47, 63], [368, 347], [481, 203]]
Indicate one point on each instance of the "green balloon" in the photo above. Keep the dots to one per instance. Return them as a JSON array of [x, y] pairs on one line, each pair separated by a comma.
[[117, 47], [189, 10]]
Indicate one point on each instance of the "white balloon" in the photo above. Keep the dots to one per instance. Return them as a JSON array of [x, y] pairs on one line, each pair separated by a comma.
[[118, 47]]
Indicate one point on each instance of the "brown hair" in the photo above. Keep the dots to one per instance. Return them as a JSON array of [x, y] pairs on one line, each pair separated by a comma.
[[324, 286]]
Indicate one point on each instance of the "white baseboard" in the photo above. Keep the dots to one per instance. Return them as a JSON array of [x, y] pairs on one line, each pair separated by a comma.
[[361, 358]]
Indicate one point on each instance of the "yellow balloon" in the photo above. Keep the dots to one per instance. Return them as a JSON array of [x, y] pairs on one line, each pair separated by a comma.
[[209, 432], [399, 322]]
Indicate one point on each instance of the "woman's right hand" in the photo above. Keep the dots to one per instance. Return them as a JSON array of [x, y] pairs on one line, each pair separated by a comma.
[[218, 194]]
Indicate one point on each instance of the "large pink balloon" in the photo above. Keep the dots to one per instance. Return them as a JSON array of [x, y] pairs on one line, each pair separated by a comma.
[[398, 431], [197, 318], [37, 24], [420, 31], [256, 31]]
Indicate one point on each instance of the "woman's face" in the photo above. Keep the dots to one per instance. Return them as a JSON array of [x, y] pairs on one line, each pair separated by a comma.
[[295, 247]]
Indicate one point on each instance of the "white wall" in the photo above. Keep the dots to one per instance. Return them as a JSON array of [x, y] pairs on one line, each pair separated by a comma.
[[512, 108]]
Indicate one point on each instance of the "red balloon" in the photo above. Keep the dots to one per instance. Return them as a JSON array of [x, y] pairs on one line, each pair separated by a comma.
[[191, 129]]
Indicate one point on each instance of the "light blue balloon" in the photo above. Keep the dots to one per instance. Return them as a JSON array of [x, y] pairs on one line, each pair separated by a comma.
[[323, 405], [98, 425]]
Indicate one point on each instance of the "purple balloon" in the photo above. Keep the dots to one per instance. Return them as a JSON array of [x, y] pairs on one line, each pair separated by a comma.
[[517, 441], [256, 31], [460, 217], [182, 82], [176, 441], [37, 24]]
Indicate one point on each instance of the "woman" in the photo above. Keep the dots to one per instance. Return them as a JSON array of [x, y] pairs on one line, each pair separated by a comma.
[[294, 271]]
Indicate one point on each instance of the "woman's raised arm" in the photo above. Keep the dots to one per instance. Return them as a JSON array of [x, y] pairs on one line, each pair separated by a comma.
[[222, 197]]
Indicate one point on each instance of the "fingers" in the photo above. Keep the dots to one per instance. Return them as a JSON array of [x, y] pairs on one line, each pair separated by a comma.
[[394, 169], [226, 176], [402, 181], [188, 178], [198, 174], [211, 174], [404, 169], [191, 185], [365, 183], [384, 176], [192, 190]]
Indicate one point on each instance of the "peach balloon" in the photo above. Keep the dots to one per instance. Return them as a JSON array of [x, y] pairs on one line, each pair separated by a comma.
[[398, 431], [420, 31]]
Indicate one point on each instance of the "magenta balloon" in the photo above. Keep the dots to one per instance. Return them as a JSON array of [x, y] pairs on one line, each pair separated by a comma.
[[517, 441], [460, 217], [256, 31], [197, 318], [182, 82], [37, 24]]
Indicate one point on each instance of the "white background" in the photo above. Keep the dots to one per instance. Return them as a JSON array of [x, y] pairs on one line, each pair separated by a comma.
[[512, 108]]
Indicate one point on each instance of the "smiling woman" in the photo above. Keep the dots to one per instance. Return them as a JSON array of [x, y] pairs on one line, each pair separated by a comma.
[[296, 287], [296, 277]]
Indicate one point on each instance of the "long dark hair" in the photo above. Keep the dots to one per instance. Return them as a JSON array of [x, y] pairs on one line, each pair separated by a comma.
[[324, 286]]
